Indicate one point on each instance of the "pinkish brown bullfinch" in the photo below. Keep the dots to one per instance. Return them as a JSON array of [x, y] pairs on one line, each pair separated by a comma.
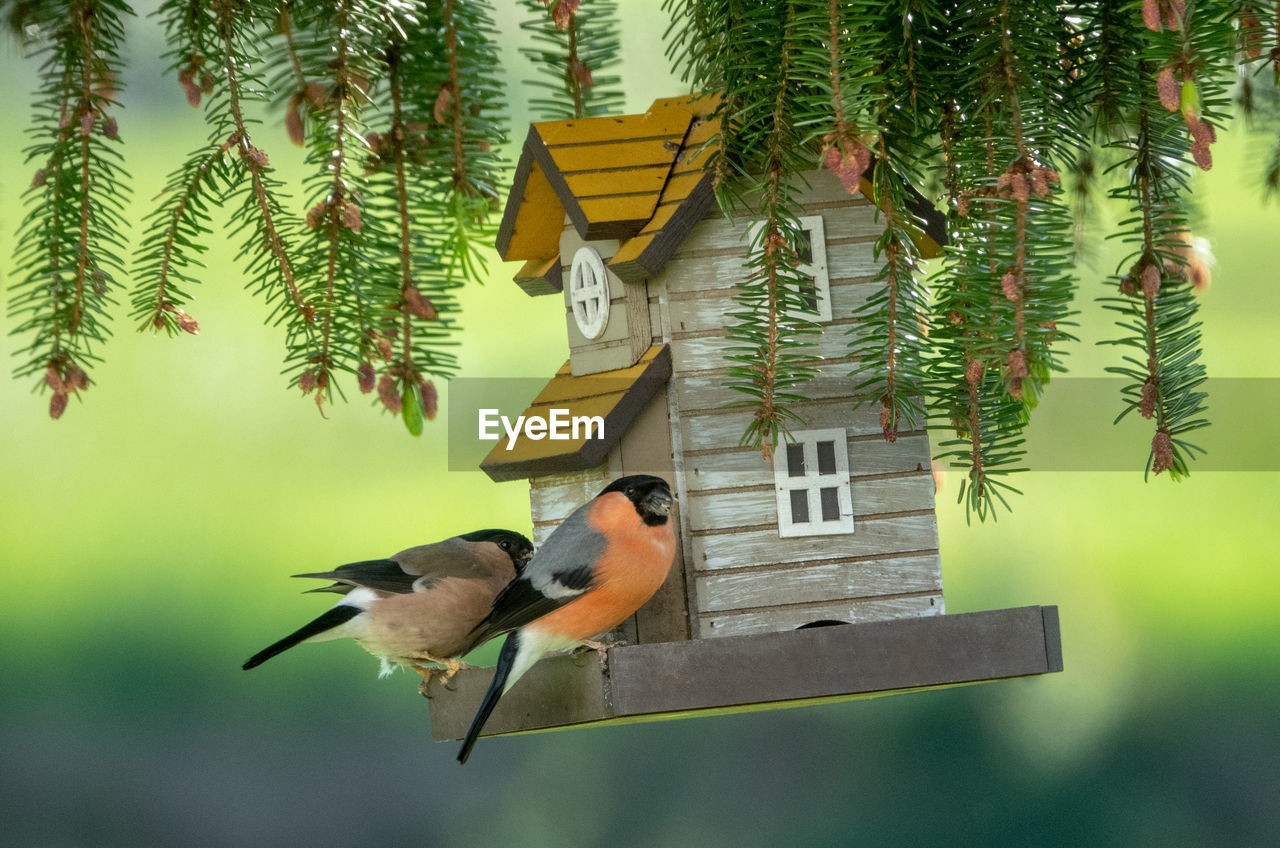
[[418, 606], [594, 570]]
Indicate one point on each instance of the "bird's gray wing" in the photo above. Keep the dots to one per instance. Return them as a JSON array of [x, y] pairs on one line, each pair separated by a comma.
[[561, 570]]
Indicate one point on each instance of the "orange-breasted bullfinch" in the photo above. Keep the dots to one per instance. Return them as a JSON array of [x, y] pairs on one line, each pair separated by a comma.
[[419, 606], [594, 570]]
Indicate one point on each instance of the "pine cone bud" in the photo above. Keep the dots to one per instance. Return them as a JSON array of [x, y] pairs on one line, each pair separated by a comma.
[[1016, 364], [418, 306], [1009, 285], [57, 405], [1150, 282], [187, 323], [39, 179], [87, 120], [1162, 451], [973, 371], [53, 379], [1203, 156], [388, 395], [1147, 407], [365, 377], [315, 215], [582, 74], [430, 399], [111, 129], [293, 124], [1151, 15], [307, 382], [77, 380], [351, 217], [1169, 90]]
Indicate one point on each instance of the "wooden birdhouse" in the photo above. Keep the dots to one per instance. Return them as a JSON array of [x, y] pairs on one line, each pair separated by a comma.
[[616, 216]]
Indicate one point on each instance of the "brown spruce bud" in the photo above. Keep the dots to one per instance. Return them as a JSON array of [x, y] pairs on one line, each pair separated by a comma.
[[418, 306], [293, 122], [315, 215], [563, 12], [1203, 133], [582, 74], [1252, 32], [383, 344], [351, 217], [1161, 451], [53, 379], [39, 179], [186, 323], [193, 94], [1169, 89], [443, 101], [848, 160], [1016, 364], [388, 395], [317, 95], [1151, 15], [206, 83], [954, 317], [973, 371], [87, 120], [1147, 407], [307, 382], [1009, 285], [1203, 156], [1150, 282], [1004, 181], [1174, 13], [1018, 183], [98, 282], [57, 405], [111, 129], [257, 157], [365, 378], [77, 380], [430, 399]]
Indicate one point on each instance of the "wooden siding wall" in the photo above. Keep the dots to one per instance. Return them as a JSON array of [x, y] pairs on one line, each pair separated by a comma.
[[628, 334], [744, 578]]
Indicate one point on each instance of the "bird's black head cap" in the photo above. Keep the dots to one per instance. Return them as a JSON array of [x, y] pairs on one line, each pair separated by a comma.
[[517, 546], [651, 496]]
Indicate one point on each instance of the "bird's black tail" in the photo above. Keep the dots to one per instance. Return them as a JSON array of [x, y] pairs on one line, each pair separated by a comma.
[[340, 614], [506, 659]]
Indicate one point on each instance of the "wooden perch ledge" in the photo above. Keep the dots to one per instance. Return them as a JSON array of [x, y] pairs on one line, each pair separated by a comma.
[[760, 671]]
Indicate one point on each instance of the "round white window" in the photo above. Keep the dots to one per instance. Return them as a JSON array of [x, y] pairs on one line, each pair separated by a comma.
[[589, 293]]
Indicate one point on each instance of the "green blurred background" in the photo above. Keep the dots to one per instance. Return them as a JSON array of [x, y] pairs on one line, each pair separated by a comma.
[[146, 539]]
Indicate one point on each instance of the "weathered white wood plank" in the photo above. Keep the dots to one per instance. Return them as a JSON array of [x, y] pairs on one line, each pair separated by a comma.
[[700, 273], [789, 618], [854, 217], [701, 353], [711, 430], [870, 537], [720, 510], [744, 467], [704, 390], [821, 582], [553, 497], [708, 311]]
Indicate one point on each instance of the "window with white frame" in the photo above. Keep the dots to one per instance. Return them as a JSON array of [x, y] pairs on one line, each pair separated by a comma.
[[811, 478], [811, 250], [589, 293]]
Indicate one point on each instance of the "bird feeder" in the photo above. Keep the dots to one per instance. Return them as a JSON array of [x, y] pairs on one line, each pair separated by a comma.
[[812, 578]]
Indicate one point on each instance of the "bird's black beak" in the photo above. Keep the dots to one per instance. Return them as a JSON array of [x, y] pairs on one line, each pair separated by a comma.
[[657, 502]]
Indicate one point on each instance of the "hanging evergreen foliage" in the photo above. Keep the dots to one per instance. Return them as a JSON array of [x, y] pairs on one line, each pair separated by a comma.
[[1016, 111]]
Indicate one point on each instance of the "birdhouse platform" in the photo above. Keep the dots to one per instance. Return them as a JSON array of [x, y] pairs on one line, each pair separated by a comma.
[[814, 665]]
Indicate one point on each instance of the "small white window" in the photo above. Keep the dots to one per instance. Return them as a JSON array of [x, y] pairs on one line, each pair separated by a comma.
[[811, 247], [811, 477], [589, 293]]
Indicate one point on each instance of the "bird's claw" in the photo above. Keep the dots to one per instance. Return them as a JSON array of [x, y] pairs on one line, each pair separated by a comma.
[[446, 674]]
